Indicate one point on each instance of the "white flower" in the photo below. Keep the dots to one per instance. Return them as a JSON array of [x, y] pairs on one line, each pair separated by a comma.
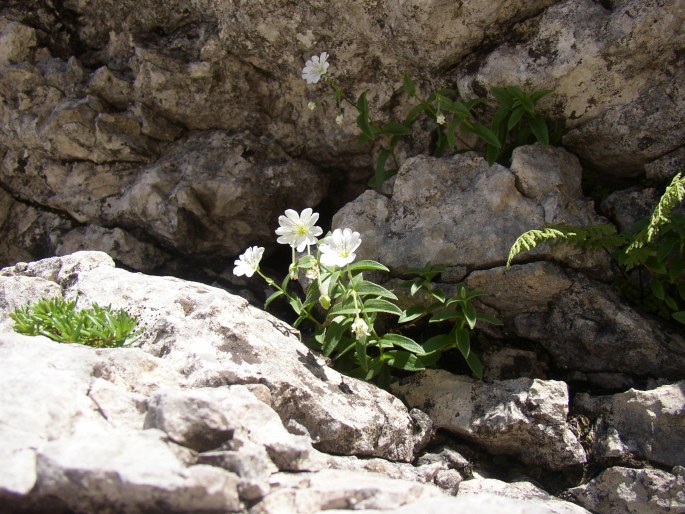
[[339, 118], [440, 119], [338, 248], [248, 262], [360, 328], [311, 106], [298, 230], [315, 68]]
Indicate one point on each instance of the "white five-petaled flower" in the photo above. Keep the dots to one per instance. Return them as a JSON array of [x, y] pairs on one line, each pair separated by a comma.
[[248, 262], [440, 119], [338, 248], [315, 68], [311, 106], [298, 230], [360, 328], [339, 118]]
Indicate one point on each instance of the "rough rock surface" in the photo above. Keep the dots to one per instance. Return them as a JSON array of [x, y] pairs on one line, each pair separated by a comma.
[[99, 96], [583, 324], [204, 334], [614, 72], [231, 418], [442, 203], [645, 424], [522, 417], [633, 491]]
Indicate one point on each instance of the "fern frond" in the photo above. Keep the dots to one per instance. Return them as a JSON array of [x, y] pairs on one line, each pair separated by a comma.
[[533, 238], [661, 216], [587, 238]]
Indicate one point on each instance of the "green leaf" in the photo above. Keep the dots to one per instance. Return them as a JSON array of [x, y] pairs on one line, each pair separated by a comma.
[[409, 86], [403, 342], [463, 341], [414, 113], [369, 288], [306, 262], [679, 316], [474, 363], [515, 118], [503, 97], [439, 295], [367, 265], [536, 96], [379, 305], [395, 128], [332, 337], [444, 316], [539, 128], [416, 285], [412, 313], [485, 134], [657, 288], [362, 103], [404, 360], [470, 314], [492, 154], [438, 343], [360, 352]]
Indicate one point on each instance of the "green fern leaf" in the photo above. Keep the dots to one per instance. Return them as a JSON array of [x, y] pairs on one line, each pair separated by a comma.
[[661, 216]]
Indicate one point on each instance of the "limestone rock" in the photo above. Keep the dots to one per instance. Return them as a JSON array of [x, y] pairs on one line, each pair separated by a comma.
[[634, 491], [613, 74], [523, 417], [646, 424], [524, 491], [202, 332], [442, 203], [333, 489], [589, 328]]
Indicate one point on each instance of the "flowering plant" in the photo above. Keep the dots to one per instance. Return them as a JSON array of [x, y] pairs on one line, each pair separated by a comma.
[[515, 123], [342, 305]]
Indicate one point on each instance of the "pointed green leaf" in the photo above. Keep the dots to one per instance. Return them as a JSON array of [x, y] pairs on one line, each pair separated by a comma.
[[404, 360], [463, 341], [396, 128], [379, 305], [515, 118], [470, 315], [438, 343], [403, 342], [539, 128], [367, 265], [485, 134], [409, 86], [412, 313], [369, 288], [679, 316], [444, 316]]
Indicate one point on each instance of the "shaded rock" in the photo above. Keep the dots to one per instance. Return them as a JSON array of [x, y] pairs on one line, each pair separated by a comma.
[[216, 194], [613, 74], [646, 424], [28, 233], [119, 244], [626, 207], [589, 328], [666, 167], [522, 417], [635, 491], [442, 203]]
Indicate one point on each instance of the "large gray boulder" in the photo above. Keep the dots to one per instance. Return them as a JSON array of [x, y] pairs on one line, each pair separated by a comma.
[[437, 210], [524, 417], [613, 72], [633, 491], [640, 424]]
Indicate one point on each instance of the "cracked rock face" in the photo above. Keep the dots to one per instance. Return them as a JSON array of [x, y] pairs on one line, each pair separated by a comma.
[[437, 208], [235, 417], [521, 417]]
